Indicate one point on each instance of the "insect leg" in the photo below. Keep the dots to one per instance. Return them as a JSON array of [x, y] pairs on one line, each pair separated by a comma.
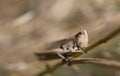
[[65, 59], [60, 55]]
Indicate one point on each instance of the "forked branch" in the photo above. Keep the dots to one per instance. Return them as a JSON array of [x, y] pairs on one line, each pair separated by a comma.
[[52, 55]]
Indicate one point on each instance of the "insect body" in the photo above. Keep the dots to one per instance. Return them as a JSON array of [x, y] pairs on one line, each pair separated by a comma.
[[75, 44], [72, 44]]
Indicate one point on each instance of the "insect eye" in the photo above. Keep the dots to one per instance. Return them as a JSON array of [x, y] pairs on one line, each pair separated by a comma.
[[67, 48]]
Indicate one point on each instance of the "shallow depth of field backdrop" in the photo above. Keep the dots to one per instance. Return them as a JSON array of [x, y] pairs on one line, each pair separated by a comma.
[[27, 25]]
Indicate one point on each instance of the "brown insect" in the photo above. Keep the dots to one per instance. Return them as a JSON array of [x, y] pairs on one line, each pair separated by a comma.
[[72, 44]]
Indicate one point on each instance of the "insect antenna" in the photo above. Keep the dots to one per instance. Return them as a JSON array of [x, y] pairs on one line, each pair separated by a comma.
[[79, 26]]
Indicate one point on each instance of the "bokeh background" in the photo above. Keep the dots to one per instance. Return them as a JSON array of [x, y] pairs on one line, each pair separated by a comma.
[[27, 25]]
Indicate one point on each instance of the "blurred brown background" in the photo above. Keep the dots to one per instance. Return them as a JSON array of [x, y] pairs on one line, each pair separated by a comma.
[[27, 25]]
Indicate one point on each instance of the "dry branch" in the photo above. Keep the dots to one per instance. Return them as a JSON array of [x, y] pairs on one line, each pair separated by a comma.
[[53, 55], [106, 62]]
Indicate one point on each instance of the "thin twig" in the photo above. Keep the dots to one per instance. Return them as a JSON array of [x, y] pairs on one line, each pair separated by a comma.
[[95, 61], [56, 66], [106, 62]]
